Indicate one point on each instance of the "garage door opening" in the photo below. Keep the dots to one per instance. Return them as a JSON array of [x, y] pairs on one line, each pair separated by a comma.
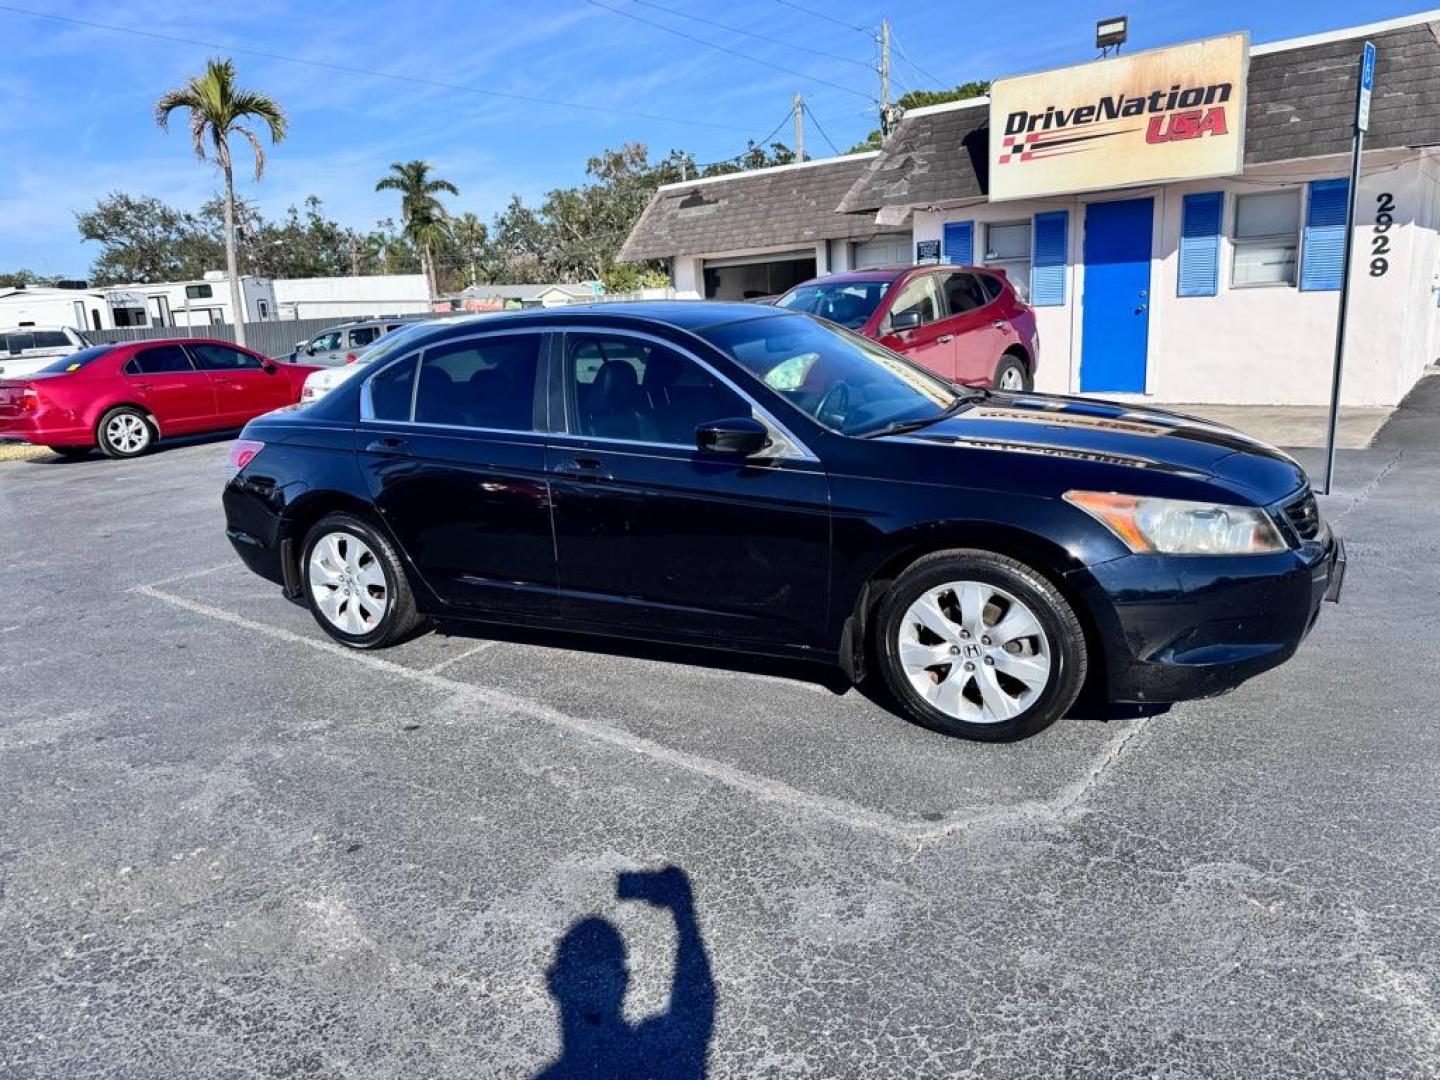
[[754, 280]]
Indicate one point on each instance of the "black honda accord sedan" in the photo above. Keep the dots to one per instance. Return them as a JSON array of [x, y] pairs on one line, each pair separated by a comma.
[[750, 479]]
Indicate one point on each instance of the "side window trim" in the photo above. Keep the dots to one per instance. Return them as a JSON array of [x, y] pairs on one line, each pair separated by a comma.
[[801, 451], [367, 404]]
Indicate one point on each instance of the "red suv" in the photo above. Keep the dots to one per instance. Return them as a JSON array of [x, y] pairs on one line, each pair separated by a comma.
[[122, 398], [965, 323]]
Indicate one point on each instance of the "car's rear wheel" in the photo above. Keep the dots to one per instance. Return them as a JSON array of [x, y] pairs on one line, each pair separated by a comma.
[[1011, 374], [124, 432], [355, 585], [981, 646]]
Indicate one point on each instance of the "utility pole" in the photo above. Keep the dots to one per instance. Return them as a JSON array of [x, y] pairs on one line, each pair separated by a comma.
[[885, 77], [797, 106]]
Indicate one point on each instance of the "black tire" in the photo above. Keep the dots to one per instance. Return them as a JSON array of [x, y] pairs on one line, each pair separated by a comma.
[[1010, 364], [113, 446], [1064, 642], [71, 453], [397, 619]]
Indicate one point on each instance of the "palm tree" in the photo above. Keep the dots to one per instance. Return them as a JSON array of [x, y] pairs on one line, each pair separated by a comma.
[[216, 108], [421, 213], [471, 234]]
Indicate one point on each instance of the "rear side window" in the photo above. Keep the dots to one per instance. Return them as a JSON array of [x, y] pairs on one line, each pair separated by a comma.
[[480, 383], [392, 392], [363, 335], [223, 358], [964, 293], [992, 285], [161, 360]]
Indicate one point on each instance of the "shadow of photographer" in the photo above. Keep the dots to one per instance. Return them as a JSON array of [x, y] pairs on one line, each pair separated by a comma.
[[590, 977]]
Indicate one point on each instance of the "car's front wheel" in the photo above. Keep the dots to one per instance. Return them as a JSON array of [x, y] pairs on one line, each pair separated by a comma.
[[978, 645], [1011, 374], [355, 585]]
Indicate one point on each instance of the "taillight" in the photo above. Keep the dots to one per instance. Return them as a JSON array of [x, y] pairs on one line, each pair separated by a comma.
[[350, 358], [29, 400], [242, 452]]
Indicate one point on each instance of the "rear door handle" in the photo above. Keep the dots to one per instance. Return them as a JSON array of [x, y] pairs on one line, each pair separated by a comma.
[[944, 338], [143, 385], [1000, 324], [390, 444]]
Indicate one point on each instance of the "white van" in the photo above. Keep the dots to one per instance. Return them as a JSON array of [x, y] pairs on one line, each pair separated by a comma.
[[26, 349]]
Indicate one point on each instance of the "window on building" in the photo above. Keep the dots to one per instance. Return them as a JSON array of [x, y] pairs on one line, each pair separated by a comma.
[[1007, 247], [264, 309], [1267, 236], [199, 292]]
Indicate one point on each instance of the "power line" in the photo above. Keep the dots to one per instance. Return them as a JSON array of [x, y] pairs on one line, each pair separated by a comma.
[[940, 84], [414, 80], [827, 18], [761, 143], [723, 49], [752, 34], [821, 130]]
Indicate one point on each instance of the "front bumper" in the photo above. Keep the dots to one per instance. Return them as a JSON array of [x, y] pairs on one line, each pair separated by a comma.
[[1175, 628]]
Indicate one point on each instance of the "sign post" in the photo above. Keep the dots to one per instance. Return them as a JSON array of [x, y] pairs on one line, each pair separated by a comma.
[[1362, 124]]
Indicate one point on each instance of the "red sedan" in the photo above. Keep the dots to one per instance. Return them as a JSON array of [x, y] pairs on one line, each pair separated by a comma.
[[122, 398], [965, 323]]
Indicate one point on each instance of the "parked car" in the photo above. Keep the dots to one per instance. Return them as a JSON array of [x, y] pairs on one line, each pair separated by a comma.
[[758, 480], [320, 382], [341, 345], [965, 323], [122, 398], [26, 349]]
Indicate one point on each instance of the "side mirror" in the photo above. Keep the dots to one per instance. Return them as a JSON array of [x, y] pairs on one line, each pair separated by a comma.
[[908, 319], [739, 436]]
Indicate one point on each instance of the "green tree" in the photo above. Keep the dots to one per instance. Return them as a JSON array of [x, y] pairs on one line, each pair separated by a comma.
[[422, 214], [468, 235], [143, 239], [217, 106], [918, 99]]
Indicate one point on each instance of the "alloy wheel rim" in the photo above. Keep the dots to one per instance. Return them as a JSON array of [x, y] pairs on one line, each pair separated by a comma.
[[1010, 379], [348, 583], [975, 652], [127, 433]]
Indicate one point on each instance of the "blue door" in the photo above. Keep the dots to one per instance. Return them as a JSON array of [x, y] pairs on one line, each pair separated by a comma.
[[1116, 323]]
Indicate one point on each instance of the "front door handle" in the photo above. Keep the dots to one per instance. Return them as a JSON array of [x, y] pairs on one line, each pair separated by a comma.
[[143, 385], [390, 444], [1000, 324], [945, 338], [584, 468]]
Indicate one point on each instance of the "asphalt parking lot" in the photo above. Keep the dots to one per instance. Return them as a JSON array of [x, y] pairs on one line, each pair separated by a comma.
[[230, 848]]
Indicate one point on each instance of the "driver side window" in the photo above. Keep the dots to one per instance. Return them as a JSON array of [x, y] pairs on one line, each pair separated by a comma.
[[636, 390], [920, 296]]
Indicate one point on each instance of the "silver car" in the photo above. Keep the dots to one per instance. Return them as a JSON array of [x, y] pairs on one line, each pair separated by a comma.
[[340, 345], [27, 349]]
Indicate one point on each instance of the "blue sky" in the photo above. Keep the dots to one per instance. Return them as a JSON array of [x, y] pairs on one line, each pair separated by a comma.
[[76, 116]]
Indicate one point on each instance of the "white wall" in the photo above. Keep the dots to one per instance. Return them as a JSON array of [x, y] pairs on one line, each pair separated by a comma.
[[1259, 345], [342, 297]]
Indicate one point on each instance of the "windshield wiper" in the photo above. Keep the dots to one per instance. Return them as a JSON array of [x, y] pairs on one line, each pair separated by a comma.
[[900, 427]]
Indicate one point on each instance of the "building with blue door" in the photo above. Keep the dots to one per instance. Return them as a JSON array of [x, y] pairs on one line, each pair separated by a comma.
[[1218, 290]]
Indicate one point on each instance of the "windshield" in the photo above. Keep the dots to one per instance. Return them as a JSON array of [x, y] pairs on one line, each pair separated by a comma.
[[75, 361], [849, 303], [842, 380]]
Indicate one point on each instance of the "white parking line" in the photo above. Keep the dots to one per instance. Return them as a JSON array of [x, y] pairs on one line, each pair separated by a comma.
[[191, 574], [433, 668], [1066, 804]]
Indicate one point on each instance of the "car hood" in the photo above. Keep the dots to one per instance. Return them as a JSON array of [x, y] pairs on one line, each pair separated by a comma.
[[1115, 433]]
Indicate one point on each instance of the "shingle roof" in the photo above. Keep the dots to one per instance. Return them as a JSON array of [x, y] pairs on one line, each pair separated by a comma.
[[1300, 104], [767, 208]]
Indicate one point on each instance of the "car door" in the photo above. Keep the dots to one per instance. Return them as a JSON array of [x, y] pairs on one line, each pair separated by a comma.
[[979, 330], [915, 325], [324, 350], [452, 450], [660, 538], [163, 379], [246, 386]]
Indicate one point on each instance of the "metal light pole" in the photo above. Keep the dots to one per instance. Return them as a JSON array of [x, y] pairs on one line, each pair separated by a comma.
[[1362, 124]]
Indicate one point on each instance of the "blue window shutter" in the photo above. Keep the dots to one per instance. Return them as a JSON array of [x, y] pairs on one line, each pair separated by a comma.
[[1052, 252], [959, 245], [1200, 244], [1323, 252]]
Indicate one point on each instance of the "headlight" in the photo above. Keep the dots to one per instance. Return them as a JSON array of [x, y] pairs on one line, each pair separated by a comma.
[[1177, 527]]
